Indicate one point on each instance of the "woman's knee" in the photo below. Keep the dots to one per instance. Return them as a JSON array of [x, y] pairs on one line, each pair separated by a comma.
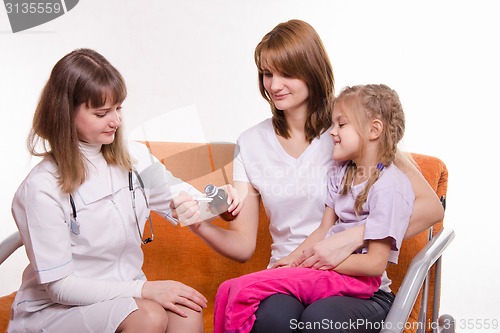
[[157, 317], [192, 323], [277, 313], [149, 317], [343, 314]]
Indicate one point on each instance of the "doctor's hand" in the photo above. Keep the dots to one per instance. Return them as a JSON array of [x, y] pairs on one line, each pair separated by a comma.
[[185, 209], [191, 212], [170, 293]]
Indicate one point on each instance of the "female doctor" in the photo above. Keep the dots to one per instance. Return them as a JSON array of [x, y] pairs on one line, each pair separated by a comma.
[[82, 210]]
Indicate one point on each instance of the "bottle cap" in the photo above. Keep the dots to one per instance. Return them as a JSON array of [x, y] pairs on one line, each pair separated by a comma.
[[210, 190]]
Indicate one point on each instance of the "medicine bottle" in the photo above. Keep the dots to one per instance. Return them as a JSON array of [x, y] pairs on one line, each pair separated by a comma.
[[219, 204]]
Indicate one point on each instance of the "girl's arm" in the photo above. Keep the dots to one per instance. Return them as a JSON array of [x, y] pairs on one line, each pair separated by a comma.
[[427, 210], [329, 218], [372, 263]]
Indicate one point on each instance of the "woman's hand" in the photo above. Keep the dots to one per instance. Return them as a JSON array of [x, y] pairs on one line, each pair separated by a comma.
[[331, 251], [234, 199], [286, 261], [323, 255], [170, 293]]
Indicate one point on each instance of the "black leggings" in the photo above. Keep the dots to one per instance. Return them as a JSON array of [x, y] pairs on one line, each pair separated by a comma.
[[284, 314]]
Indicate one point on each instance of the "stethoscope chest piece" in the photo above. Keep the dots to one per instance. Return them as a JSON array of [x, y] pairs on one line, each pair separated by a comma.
[[74, 226], [73, 223]]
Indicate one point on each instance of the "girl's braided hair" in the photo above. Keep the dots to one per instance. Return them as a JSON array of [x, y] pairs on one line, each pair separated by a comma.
[[361, 104]]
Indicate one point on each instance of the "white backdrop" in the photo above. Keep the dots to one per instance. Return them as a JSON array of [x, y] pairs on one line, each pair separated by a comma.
[[190, 73]]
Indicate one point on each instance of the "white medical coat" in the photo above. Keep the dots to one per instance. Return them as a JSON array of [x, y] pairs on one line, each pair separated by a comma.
[[108, 246]]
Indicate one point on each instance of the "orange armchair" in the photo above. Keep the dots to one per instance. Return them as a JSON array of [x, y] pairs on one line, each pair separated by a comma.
[[178, 254]]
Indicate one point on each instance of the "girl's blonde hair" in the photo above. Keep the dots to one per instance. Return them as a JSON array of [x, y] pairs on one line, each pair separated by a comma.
[[81, 77], [362, 104], [295, 49]]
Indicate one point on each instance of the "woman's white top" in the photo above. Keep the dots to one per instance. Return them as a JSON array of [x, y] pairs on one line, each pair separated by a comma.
[[293, 190]]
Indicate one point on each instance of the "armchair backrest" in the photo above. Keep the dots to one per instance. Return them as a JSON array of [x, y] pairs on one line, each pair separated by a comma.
[[178, 254], [436, 174]]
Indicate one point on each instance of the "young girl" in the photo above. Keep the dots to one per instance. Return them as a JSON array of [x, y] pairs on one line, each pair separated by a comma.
[[364, 187]]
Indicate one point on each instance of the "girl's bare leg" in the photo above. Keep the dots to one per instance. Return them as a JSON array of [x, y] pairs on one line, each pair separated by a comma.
[[193, 323]]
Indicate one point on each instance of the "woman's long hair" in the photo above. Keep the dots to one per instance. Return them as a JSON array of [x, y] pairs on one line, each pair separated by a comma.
[[294, 48], [81, 77]]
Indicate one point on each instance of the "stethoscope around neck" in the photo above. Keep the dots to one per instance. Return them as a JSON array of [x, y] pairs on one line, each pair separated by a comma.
[[75, 226]]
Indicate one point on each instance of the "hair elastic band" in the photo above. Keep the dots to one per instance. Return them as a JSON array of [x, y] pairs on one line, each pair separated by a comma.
[[380, 166]]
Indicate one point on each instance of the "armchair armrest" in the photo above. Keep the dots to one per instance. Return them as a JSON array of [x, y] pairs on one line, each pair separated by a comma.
[[9, 245], [413, 280]]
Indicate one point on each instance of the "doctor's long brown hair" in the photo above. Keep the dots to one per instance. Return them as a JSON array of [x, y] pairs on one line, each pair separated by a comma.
[[81, 77]]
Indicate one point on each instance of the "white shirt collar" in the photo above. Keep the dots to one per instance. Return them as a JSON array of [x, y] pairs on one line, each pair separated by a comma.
[[90, 150], [102, 180]]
